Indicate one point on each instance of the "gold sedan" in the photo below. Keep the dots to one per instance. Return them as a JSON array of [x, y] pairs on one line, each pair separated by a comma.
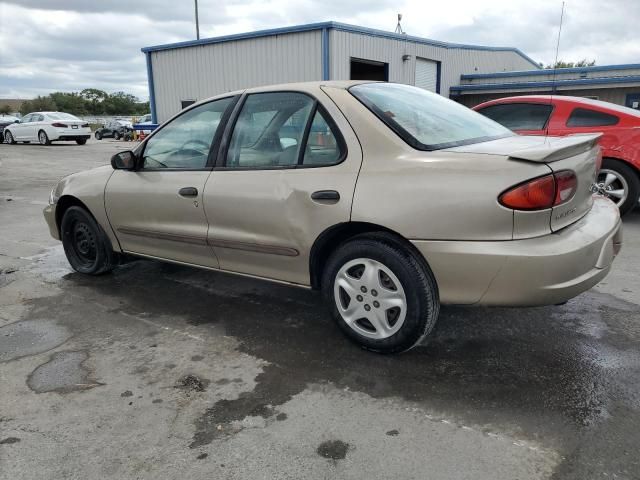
[[389, 199]]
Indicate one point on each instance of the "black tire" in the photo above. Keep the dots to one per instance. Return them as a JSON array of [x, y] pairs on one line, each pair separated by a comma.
[[632, 179], [87, 247], [8, 138], [81, 141], [43, 138], [116, 135], [416, 279], [98, 136]]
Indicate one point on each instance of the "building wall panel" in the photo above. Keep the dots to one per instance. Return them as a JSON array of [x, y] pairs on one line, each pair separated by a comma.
[[455, 61], [201, 71]]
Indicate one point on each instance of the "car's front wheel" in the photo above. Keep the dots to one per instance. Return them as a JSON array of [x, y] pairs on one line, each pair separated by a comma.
[[43, 138], [98, 136], [85, 244], [116, 135], [620, 183], [381, 294], [81, 141], [8, 138]]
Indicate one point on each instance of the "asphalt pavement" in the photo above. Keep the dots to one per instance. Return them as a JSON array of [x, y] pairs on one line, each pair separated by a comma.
[[164, 372]]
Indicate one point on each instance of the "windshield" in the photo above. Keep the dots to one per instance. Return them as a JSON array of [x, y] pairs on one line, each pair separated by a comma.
[[62, 116], [425, 120]]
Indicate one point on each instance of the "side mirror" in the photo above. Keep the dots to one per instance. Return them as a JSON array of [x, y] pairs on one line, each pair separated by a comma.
[[124, 161]]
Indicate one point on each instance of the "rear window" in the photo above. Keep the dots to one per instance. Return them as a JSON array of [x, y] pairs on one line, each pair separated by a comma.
[[583, 117], [425, 120], [519, 116]]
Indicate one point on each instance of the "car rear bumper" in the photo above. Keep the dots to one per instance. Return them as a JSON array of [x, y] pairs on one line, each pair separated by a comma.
[[537, 271], [73, 137], [50, 217]]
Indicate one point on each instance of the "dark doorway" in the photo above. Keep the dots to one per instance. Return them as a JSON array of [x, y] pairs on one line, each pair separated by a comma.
[[369, 70], [186, 103]]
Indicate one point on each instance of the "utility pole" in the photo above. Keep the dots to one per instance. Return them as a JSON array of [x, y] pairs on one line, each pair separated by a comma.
[[197, 23]]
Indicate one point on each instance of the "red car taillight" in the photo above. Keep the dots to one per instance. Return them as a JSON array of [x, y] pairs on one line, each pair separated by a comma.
[[542, 192], [59, 125]]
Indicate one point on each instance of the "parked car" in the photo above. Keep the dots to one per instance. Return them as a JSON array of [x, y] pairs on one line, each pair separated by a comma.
[[619, 178], [6, 120], [399, 200], [115, 129], [145, 120], [47, 127]]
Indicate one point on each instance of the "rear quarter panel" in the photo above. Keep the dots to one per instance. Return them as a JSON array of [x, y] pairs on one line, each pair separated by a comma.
[[436, 195]]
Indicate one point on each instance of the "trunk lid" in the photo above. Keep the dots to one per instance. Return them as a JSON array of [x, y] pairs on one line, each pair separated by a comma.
[[578, 153]]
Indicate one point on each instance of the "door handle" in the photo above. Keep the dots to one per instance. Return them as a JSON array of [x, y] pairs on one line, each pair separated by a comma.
[[326, 196], [188, 192]]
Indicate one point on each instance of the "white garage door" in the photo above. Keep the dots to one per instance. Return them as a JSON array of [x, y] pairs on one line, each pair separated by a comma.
[[426, 74]]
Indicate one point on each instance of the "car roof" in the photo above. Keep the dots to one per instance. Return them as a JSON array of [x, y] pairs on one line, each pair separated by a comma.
[[567, 99]]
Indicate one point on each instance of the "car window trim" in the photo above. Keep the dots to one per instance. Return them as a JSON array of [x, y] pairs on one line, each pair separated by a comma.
[[221, 159], [546, 123], [215, 142]]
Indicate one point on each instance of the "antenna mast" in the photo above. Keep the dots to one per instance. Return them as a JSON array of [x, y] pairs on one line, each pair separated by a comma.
[[555, 63], [398, 26]]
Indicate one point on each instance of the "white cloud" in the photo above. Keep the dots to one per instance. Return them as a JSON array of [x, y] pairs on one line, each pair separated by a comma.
[[66, 45]]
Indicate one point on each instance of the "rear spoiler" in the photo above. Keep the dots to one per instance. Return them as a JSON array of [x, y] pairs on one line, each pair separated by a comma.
[[557, 148]]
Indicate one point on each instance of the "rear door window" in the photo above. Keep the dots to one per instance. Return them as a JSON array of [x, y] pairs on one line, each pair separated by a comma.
[[519, 116], [584, 117]]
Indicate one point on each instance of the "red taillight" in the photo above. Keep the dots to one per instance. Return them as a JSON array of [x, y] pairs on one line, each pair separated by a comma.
[[59, 125], [542, 192]]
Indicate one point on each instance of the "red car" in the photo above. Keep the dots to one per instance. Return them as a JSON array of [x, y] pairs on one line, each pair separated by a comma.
[[619, 178]]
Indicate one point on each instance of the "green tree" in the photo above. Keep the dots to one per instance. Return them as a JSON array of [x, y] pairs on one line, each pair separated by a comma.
[[70, 102], [94, 97], [120, 103], [5, 110], [580, 63], [38, 104]]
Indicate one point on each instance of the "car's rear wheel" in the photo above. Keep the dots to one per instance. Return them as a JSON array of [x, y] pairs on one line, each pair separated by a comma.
[[619, 182], [381, 295], [43, 138], [85, 244], [8, 138], [98, 136], [81, 141]]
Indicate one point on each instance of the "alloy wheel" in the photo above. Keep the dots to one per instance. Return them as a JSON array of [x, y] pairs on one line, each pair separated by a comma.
[[612, 185], [370, 298], [42, 138]]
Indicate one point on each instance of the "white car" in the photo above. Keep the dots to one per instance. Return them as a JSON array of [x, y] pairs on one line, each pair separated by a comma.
[[47, 127]]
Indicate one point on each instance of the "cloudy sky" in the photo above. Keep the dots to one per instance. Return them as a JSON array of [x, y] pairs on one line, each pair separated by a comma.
[[68, 45]]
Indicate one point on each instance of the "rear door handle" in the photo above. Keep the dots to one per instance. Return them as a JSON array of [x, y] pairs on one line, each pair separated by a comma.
[[188, 192], [326, 196]]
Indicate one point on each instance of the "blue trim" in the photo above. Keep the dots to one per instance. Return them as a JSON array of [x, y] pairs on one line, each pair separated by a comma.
[[337, 26], [546, 84], [152, 90], [145, 126], [552, 71], [438, 75], [326, 72]]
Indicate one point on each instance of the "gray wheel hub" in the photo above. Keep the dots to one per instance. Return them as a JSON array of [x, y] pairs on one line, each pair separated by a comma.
[[370, 298], [612, 185]]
